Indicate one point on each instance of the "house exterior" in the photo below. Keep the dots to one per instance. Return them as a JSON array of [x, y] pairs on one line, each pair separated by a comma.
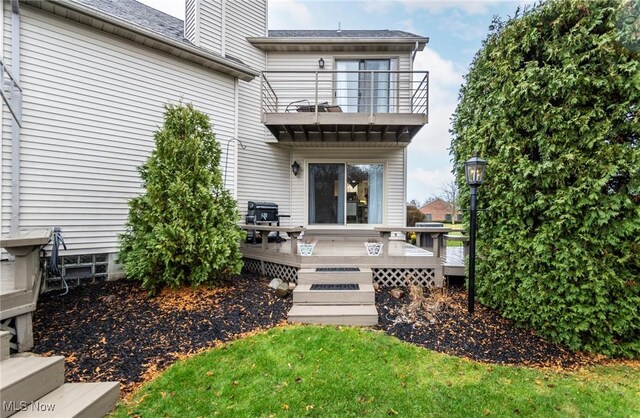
[[438, 210], [93, 77]]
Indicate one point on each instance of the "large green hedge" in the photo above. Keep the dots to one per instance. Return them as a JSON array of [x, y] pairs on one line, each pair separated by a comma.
[[182, 230], [552, 101]]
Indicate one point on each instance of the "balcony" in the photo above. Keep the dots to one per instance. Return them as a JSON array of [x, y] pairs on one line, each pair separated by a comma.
[[373, 106]]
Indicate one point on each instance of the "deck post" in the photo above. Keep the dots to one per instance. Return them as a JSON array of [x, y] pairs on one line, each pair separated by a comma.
[[436, 248], [24, 332]]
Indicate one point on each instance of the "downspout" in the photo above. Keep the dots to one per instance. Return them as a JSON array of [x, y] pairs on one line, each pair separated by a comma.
[[236, 117], [413, 54], [16, 101]]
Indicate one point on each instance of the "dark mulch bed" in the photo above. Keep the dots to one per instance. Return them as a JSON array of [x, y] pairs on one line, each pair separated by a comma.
[[113, 331], [484, 336]]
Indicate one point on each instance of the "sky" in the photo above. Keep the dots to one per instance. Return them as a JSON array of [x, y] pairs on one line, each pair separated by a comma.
[[455, 30]]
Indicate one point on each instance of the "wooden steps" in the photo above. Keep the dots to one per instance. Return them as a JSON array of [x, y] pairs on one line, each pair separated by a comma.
[[310, 276], [334, 306], [34, 387], [27, 379], [362, 315], [76, 400], [362, 296]]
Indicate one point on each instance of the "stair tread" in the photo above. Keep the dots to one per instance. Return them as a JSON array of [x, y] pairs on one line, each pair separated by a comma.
[[313, 270], [332, 310], [306, 287], [16, 369], [76, 400]]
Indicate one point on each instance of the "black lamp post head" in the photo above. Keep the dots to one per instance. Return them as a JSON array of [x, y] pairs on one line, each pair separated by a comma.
[[295, 168], [474, 170]]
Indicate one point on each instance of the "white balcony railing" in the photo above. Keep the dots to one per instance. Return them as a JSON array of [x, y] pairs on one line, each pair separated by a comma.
[[370, 92]]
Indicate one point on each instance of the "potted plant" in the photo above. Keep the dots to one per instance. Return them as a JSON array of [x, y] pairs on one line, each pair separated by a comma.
[[305, 247], [373, 247]]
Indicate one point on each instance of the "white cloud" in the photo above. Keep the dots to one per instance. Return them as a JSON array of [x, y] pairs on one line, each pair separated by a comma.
[[444, 83], [423, 183], [379, 7], [290, 14], [470, 7], [407, 25], [432, 143]]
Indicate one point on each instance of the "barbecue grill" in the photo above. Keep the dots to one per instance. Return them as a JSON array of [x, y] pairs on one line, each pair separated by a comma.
[[263, 213]]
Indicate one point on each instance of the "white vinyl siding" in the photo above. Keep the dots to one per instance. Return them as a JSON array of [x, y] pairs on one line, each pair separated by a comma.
[[91, 104], [191, 20], [263, 167], [210, 25], [393, 158], [245, 19]]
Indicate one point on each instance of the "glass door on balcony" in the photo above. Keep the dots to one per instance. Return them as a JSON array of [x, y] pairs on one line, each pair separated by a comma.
[[342, 194], [358, 89]]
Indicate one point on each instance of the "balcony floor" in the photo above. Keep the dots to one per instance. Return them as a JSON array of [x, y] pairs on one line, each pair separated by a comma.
[[305, 127]]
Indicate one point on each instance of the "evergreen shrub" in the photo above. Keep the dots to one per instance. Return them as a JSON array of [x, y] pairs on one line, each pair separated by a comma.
[[182, 229], [552, 101]]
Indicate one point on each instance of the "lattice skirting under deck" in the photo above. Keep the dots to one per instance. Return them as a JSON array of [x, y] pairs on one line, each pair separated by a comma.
[[385, 277], [286, 273], [402, 277], [10, 326]]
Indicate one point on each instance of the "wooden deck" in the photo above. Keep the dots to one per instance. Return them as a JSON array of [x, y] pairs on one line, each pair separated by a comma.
[[20, 284], [346, 248]]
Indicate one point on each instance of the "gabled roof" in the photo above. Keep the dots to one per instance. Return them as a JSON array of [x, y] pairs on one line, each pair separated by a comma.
[[144, 25], [340, 40]]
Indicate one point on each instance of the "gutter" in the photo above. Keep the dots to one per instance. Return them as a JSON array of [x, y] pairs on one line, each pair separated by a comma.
[[267, 43], [141, 35]]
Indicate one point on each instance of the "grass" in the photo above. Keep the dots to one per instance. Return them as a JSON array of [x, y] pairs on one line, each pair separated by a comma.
[[342, 371]]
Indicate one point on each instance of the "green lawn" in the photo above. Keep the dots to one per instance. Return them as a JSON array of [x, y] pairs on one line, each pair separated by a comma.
[[329, 371], [457, 225]]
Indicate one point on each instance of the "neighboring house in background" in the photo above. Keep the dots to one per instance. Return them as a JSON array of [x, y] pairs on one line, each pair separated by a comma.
[[95, 75], [438, 210]]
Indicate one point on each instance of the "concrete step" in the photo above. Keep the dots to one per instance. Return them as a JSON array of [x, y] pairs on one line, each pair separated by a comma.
[[26, 379], [74, 400], [5, 340], [334, 314], [310, 276], [365, 295]]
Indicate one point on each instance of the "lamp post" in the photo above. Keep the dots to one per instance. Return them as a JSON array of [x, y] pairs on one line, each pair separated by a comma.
[[474, 173]]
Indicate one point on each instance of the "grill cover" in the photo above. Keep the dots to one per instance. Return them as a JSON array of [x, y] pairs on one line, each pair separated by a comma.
[[262, 212]]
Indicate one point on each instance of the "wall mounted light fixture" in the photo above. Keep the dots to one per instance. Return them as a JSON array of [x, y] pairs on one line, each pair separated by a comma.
[[321, 63], [295, 168]]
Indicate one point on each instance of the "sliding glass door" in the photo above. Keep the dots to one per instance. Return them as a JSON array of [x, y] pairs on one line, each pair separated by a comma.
[[364, 85], [343, 193], [374, 86]]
